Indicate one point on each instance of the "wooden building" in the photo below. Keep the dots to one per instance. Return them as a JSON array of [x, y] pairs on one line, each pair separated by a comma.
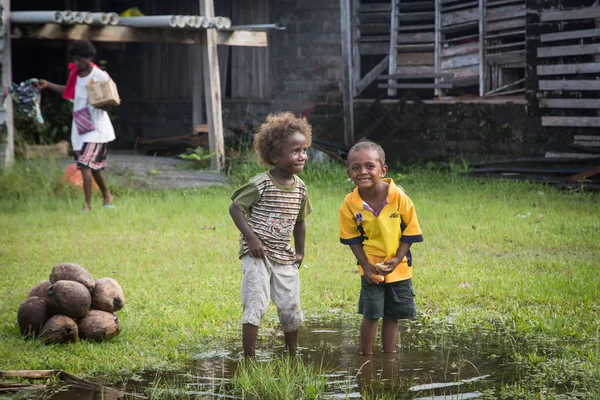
[[429, 79]]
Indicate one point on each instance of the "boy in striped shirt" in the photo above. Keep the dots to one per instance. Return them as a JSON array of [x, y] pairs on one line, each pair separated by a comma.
[[268, 211]]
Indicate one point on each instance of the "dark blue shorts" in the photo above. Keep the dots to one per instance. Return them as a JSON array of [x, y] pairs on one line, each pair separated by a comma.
[[388, 300]]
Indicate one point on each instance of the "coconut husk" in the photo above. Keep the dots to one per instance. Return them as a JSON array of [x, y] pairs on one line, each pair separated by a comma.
[[98, 326], [107, 295], [59, 329], [72, 272], [32, 315], [70, 298], [40, 290]]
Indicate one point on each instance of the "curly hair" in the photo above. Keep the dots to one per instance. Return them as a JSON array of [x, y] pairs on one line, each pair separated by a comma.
[[272, 133], [368, 145], [81, 48]]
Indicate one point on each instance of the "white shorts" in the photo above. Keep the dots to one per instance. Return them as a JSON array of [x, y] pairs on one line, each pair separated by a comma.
[[265, 279]]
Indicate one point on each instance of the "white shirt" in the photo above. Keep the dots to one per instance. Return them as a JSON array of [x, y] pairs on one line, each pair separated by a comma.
[[104, 131]]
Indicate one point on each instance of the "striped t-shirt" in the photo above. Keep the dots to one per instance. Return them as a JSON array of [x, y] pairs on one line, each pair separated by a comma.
[[272, 211]]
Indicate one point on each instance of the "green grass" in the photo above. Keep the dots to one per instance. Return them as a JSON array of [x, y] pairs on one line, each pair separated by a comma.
[[511, 264]]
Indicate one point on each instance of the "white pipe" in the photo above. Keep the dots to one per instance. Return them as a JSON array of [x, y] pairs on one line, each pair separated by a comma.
[[190, 21], [68, 17], [36, 17], [99, 18], [227, 23], [113, 18], [151, 21], [78, 16], [219, 23], [87, 17], [206, 22], [180, 21]]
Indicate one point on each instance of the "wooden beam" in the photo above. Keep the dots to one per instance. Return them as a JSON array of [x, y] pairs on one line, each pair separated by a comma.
[[461, 61], [568, 15], [438, 46], [354, 47], [570, 50], [393, 52], [146, 35], [347, 85], [371, 76], [8, 148], [570, 103], [481, 42], [212, 89], [568, 69], [459, 17], [575, 85], [573, 122], [443, 85], [585, 33], [424, 75]]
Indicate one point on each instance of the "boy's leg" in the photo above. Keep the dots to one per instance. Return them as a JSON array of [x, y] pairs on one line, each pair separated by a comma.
[[86, 173], [368, 330], [249, 334], [291, 342], [389, 335], [99, 178]]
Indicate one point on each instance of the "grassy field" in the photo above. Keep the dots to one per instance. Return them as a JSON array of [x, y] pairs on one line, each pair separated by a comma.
[[515, 261]]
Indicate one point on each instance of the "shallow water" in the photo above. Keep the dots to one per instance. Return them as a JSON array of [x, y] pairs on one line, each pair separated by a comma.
[[459, 370]]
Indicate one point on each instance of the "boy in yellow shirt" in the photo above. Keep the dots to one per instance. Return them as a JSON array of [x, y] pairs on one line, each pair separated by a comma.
[[379, 223]]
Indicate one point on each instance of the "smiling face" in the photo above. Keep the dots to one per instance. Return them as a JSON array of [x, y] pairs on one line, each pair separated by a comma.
[[365, 168], [292, 157]]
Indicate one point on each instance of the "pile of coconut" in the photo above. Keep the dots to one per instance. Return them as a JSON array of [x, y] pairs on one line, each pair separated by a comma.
[[71, 305]]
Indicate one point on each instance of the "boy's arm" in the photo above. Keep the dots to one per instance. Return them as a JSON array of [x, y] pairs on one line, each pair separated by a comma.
[[361, 257], [43, 84], [255, 246], [299, 238], [392, 263]]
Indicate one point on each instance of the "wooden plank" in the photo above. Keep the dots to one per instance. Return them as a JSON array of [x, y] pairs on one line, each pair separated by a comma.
[[348, 84], [379, 27], [574, 122], [460, 17], [461, 61], [570, 103], [584, 138], [374, 7], [459, 27], [416, 5], [414, 70], [505, 13], [460, 49], [212, 86], [420, 37], [506, 46], [506, 58], [481, 32], [503, 87], [8, 158], [585, 33], [569, 15], [410, 28], [356, 71], [412, 48], [570, 50], [460, 6], [148, 35], [503, 3], [438, 46], [469, 38], [568, 69], [416, 16], [415, 59], [423, 75], [375, 73], [575, 85], [518, 32], [393, 60], [583, 175], [442, 85], [505, 25], [369, 49]]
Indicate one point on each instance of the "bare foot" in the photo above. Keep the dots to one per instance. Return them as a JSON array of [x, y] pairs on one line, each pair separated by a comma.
[[108, 200]]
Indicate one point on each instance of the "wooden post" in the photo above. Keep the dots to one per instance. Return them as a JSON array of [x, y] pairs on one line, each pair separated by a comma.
[[212, 88], [437, 47], [482, 35], [393, 43], [348, 84], [198, 103], [355, 51], [7, 157]]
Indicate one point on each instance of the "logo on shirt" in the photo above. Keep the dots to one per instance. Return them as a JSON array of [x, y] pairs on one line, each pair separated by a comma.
[[359, 217], [394, 215]]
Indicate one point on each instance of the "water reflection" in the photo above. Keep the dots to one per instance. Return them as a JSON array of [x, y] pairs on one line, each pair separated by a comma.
[[456, 371]]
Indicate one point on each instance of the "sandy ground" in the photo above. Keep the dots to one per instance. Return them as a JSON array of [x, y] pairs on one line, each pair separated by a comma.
[[154, 172]]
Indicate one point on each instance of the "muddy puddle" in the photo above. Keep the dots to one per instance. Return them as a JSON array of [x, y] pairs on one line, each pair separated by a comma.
[[420, 370]]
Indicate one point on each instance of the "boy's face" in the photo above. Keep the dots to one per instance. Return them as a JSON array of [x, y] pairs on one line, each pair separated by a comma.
[[292, 156], [82, 63], [365, 168]]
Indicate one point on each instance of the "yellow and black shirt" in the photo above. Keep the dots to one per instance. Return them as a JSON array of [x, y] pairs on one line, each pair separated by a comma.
[[381, 231]]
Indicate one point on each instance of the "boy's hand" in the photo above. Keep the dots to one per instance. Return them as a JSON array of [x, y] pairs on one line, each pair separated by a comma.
[[368, 269], [41, 84], [256, 248], [299, 258], [388, 266]]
